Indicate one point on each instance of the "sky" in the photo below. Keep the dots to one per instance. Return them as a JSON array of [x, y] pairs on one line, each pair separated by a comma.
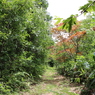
[[65, 8]]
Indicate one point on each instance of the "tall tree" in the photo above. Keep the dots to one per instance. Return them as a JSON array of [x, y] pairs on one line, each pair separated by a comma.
[[24, 37]]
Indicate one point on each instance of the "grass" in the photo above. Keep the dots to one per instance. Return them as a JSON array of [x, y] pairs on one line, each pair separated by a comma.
[[52, 84]]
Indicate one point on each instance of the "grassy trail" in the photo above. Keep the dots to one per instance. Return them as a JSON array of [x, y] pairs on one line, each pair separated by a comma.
[[53, 84]]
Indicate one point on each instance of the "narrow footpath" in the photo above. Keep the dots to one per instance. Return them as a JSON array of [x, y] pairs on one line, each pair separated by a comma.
[[53, 84]]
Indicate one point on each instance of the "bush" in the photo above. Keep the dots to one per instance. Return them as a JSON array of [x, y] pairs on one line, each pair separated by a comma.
[[24, 32], [4, 89]]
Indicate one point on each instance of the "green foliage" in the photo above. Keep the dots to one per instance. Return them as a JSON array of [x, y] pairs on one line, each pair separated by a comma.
[[69, 22], [91, 80], [24, 37], [17, 81], [81, 68], [89, 7], [4, 89], [77, 67], [58, 20]]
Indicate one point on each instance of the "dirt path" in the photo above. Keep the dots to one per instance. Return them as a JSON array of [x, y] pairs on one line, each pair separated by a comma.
[[53, 84]]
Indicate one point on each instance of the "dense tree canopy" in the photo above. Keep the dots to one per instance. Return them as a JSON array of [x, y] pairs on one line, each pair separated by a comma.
[[24, 37]]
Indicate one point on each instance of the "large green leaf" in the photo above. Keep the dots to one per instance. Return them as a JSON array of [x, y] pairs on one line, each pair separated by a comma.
[[89, 7], [67, 24]]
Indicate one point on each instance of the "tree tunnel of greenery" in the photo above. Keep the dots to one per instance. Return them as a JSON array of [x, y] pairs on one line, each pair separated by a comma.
[[24, 40]]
